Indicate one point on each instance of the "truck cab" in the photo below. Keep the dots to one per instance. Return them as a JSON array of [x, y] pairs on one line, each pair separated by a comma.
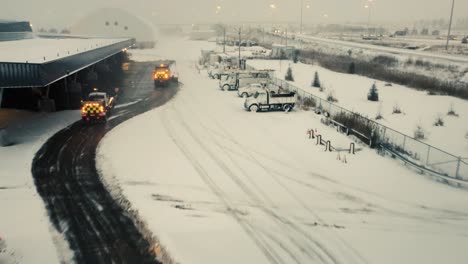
[[97, 107], [164, 73], [243, 78], [252, 88]]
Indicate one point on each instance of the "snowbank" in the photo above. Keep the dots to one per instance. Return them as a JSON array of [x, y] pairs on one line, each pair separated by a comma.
[[24, 223]]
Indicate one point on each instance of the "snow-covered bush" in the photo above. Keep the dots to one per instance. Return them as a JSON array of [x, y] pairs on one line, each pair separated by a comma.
[[373, 94], [419, 132], [316, 82], [379, 113], [396, 109], [308, 102], [331, 97], [451, 111], [385, 60], [439, 121], [361, 124], [289, 75]]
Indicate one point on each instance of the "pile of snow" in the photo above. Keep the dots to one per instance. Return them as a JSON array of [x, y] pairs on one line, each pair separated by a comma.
[[24, 223], [211, 179]]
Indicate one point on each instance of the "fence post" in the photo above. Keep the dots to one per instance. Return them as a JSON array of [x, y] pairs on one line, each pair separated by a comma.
[[319, 140], [328, 146], [427, 157], [351, 148], [457, 173], [384, 132]]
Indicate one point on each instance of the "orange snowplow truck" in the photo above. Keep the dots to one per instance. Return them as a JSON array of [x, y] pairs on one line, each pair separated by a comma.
[[97, 107], [165, 73]]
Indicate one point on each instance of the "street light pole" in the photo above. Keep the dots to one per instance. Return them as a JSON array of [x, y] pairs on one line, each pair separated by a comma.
[[450, 26], [368, 6], [300, 28], [286, 41], [368, 21]]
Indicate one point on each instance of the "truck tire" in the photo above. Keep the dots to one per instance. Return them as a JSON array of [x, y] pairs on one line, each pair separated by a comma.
[[287, 107], [253, 108], [216, 76], [226, 87], [244, 95]]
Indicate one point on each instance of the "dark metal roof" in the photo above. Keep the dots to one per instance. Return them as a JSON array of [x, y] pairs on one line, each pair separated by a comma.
[[21, 75], [11, 26]]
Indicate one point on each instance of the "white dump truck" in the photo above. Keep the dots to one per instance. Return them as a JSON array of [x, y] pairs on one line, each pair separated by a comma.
[[268, 100], [219, 70], [242, 78], [253, 88]]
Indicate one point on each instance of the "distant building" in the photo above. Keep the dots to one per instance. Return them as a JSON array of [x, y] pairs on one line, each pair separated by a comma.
[[202, 34], [14, 30], [116, 23]]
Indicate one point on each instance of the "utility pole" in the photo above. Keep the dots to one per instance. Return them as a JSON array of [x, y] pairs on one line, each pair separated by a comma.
[[286, 41], [240, 46], [450, 25], [263, 33], [368, 20], [224, 39]]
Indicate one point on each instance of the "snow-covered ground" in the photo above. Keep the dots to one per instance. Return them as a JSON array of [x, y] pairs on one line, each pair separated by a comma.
[[24, 223], [218, 184], [40, 50], [419, 108]]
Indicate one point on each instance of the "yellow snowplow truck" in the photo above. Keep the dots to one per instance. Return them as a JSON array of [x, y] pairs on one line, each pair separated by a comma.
[[165, 73], [97, 107]]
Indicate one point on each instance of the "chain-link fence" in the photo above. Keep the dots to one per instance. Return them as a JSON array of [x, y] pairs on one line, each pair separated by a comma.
[[413, 151]]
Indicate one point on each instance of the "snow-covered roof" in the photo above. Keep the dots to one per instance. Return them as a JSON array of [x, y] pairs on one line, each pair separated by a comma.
[[41, 50]]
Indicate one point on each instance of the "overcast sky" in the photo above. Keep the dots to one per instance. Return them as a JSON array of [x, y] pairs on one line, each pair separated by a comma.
[[62, 13]]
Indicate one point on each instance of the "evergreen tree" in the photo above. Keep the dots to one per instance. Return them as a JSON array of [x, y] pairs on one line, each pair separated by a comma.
[[316, 82], [373, 94], [352, 68], [296, 56], [289, 75]]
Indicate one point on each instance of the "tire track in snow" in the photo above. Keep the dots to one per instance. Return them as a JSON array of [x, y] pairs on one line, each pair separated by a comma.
[[321, 251], [247, 227], [97, 227], [311, 250]]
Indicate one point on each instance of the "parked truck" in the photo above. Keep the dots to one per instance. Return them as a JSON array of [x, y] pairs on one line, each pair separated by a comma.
[[242, 78], [97, 107], [165, 73], [270, 100], [218, 70], [253, 88]]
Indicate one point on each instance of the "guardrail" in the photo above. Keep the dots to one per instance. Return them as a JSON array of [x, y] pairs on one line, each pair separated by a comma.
[[432, 159]]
